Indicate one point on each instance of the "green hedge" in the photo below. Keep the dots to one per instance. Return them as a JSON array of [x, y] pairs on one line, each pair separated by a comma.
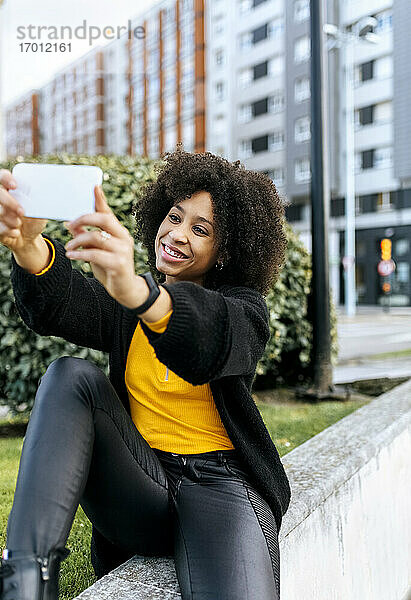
[[25, 356]]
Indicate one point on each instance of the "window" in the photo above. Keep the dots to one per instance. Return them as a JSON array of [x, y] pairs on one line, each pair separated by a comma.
[[383, 113], [367, 159], [366, 71], [260, 34], [244, 78], [302, 89], [244, 149], [275, 28], [276, 103], [294, 212], [384, 201], [402, 247], [260, 70], [403, 272], [188, 135], [302, 49], [246, 41], [276, 175], [244, 113], [244, 6], [260, 107], [188, 100], [259, 144], [384, 22], [383, 157], [301, 10], [302, 131], [219, 124], [219, 91], [276, 141], [384, 67], [366, 203], [170, 138], [153, 145], [365, 115], [218, 25], [276, 66], [302, 169], [219, 57]]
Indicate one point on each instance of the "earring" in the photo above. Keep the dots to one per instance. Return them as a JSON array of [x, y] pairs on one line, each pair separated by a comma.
[[219, 265]]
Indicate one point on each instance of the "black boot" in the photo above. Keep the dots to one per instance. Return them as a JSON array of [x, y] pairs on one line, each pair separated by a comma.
[[30, 577]]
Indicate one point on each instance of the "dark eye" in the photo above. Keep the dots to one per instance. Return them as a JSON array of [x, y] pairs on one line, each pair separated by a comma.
[[195, 227]]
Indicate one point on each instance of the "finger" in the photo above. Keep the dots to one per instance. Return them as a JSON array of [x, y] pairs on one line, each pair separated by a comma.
[[9, 203], [105, 221], [100, 200], [101, 258], [90, 239], [6, 231], [10, 219], [7, 180]]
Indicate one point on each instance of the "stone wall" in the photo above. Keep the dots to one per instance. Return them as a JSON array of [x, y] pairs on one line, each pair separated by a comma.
[[346, 534]]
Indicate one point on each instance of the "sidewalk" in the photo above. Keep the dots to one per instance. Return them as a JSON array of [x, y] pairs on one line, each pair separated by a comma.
[[371, 368]]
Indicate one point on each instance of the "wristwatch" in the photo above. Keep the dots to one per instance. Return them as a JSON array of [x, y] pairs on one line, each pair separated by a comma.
[[153, 295]]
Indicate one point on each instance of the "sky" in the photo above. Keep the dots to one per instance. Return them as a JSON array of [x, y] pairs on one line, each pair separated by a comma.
[[23, 71]]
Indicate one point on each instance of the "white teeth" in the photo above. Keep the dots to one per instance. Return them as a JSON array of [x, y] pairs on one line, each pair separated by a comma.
[[169, 251]]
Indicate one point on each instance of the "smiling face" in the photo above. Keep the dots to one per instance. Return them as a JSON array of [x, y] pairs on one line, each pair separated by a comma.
[[187, 228]]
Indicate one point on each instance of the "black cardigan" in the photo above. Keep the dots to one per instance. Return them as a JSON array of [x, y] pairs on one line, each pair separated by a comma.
[[214, 336]]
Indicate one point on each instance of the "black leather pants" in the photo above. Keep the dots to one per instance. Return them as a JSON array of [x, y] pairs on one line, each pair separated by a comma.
[[81, 447]]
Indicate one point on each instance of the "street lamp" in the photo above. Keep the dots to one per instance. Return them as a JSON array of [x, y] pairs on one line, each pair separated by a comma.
[[345, 39]]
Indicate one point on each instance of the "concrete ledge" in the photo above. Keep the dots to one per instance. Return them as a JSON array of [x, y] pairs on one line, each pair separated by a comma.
[[140, 578], [346, 532]]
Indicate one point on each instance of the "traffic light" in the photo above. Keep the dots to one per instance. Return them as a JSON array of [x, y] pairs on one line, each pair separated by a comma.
[[386, 245], [386, 288]]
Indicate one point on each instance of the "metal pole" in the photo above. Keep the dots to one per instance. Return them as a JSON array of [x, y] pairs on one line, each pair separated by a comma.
[[349, 280], [321, 354]]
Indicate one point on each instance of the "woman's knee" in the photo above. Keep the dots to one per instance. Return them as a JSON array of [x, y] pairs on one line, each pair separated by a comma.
[[65, 380], [72, 368]]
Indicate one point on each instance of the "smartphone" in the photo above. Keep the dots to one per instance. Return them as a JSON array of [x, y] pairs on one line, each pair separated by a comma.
[[56, 192]]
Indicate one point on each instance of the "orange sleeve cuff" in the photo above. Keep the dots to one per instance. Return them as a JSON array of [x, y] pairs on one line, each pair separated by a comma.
[[53, 254], [161, 325]]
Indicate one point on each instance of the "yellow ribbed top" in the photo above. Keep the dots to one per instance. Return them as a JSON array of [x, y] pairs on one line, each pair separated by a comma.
[[170, 413]]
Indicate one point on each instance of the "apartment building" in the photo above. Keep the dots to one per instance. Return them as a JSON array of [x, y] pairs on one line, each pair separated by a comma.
[[259, 104], [233, 77], [167, 83], [22, 125], [382, 199], [71, 108]]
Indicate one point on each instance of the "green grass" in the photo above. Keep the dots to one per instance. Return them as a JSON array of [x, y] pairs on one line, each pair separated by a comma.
[[289, 423], [76, 571], [395, 354]]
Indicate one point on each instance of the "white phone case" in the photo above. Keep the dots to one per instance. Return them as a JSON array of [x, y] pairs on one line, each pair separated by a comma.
[[57, 192]]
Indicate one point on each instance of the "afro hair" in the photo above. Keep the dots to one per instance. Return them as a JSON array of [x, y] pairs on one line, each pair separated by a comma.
[[248, 216]]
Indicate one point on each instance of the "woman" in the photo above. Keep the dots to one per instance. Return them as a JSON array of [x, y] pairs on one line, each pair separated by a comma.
[[169, 456]]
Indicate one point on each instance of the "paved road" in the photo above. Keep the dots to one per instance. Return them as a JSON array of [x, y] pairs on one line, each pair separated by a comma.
[[370, 332]]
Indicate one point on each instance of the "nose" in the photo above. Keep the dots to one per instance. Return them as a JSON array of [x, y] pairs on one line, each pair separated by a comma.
[[178, 233]]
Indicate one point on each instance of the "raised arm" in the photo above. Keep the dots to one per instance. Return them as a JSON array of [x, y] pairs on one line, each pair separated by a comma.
[[65, 303], [212, 334]]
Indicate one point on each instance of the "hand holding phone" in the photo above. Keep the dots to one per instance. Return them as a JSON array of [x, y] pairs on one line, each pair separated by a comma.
[[57, 192], [16, 230]]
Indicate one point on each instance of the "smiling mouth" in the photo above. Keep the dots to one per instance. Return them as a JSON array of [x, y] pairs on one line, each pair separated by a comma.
[[173, 256]]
